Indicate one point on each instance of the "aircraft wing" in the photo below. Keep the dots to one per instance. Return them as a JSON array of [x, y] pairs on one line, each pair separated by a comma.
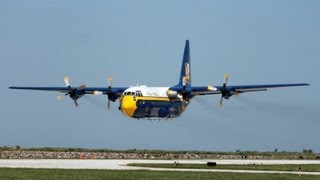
[[85, 90], [76, 92], [231, 90], [228, 91], [113, 93]]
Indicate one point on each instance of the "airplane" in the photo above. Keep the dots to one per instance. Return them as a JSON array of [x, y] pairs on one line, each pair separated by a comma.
[[142, 102]]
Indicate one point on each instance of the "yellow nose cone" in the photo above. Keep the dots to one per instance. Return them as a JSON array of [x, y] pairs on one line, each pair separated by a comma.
[[128, 106]]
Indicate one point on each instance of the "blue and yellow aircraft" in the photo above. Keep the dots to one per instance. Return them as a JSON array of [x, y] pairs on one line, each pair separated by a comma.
[[142, 102]]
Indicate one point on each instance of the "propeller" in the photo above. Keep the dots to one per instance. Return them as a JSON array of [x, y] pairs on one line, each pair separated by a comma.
[[111, 95], [109, 91], [221, 102], [184, 93], [226, 78], [224, 90], [74, 94], [66, 81]]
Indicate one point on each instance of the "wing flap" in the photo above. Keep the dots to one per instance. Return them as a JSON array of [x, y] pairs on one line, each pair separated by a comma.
[[250, 90], [202, 93]]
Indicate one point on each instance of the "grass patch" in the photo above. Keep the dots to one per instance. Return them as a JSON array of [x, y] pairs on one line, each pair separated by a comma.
[[60, 174], [286, 167]]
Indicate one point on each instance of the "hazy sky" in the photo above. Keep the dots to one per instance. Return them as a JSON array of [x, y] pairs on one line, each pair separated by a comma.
[[141, 42]]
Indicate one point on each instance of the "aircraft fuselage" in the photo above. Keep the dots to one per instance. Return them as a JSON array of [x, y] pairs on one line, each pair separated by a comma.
[[143, 102]]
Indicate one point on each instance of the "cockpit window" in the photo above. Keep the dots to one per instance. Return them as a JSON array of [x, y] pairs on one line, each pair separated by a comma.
[[127, 93], [137, 93]]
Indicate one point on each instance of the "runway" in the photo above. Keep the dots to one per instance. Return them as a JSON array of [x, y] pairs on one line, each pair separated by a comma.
[[122, 164]]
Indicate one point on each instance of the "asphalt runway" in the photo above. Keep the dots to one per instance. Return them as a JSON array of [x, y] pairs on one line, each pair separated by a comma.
[[121, 164]]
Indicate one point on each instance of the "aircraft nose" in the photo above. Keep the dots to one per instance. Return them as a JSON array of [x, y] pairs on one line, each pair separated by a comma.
[[128, 106]]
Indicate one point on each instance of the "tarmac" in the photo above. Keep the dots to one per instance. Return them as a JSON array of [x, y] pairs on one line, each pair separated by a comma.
[[122, 164]]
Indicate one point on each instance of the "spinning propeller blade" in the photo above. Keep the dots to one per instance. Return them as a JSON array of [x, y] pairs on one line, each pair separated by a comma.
[[109, 90], [224, 90], [66, 81], [226, 78], [74, 94], [109, 82], [221, 102]]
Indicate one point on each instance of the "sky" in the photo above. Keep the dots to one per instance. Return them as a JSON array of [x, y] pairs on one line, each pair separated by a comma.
[[141, 42]]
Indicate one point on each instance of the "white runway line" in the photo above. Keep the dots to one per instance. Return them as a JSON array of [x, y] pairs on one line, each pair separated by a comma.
[[122, 164]]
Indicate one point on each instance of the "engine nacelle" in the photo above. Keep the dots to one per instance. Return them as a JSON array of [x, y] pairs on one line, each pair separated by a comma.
[[172, 94]]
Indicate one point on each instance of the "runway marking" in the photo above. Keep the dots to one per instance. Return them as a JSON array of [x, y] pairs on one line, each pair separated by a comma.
[[122, 165]]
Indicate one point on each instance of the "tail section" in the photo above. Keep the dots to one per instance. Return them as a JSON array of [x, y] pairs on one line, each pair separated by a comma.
[[185, 74]]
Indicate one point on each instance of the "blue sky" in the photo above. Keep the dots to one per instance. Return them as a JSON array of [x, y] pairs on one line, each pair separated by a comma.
[[141, 42]]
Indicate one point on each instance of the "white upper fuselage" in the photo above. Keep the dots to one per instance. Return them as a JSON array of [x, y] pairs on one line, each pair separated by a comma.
[[148, 91]]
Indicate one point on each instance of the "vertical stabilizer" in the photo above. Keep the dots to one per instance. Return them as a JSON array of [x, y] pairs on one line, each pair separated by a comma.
[[185, 73]]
